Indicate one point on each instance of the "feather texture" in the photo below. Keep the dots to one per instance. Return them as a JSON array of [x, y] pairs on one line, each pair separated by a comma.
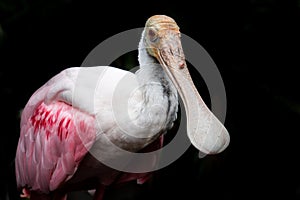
[[52, 145]]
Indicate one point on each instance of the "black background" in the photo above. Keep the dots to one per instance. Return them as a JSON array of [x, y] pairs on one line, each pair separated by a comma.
[[255, 44]]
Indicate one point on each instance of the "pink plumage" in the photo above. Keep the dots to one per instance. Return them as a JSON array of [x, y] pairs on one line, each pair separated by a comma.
[[52, 143], [52, 157]]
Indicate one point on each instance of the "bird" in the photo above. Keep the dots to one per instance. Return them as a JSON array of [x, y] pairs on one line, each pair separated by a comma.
[[68, 118]]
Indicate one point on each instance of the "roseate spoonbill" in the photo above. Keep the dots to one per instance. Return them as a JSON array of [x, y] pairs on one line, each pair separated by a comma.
[[59, 128]]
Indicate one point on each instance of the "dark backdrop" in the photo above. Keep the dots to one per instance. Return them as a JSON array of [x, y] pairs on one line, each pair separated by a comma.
[[255, 44]]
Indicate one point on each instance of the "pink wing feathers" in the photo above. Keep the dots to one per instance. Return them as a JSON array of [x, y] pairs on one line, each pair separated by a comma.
[[54, 137], [56, 133]]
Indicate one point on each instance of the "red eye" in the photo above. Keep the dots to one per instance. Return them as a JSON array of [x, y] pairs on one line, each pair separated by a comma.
[[152, 35]]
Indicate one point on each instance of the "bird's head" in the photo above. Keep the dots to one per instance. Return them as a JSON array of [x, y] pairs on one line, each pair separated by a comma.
[[163, 42], [162, 38]]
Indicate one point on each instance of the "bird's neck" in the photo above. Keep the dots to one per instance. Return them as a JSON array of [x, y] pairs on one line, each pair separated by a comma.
[[160, 95]]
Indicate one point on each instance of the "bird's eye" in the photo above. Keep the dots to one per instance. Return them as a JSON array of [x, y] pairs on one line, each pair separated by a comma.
[[152, 35]]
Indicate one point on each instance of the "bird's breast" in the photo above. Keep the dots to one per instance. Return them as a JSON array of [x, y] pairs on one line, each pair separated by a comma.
[[133, 122]]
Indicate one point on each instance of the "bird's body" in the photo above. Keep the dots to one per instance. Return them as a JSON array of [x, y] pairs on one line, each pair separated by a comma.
[[56, 133], [83, 112]]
